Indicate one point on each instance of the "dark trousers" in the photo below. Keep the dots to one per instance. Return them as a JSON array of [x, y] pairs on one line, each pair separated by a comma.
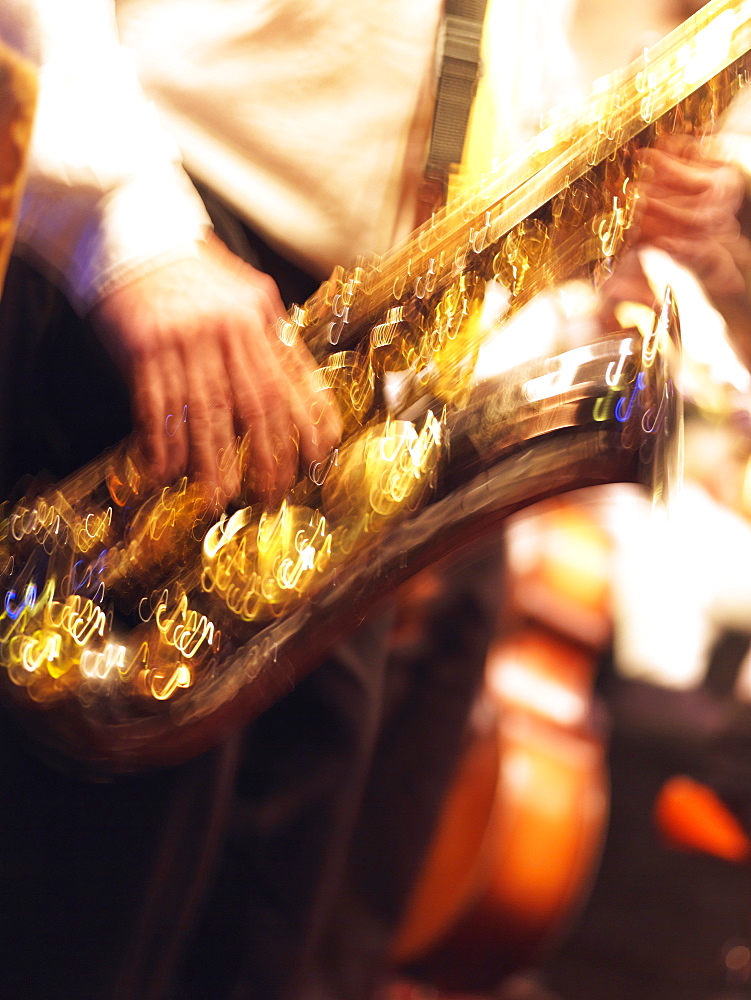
[[275, 866]]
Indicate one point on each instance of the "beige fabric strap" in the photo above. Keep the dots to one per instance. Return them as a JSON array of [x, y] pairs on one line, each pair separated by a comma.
[[460, 70]]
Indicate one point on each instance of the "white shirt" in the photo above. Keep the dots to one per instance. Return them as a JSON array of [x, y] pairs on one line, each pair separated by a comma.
[[303, 114], [297, 111]]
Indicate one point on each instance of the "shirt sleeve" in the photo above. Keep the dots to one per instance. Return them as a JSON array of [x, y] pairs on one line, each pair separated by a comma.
[[106, 196]]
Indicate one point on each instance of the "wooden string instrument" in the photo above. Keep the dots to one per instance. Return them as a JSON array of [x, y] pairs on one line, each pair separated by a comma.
[[521, 830], [18, 94]]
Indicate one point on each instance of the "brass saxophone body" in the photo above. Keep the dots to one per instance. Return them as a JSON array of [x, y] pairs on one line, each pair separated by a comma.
[[138, 626], [120, 651]]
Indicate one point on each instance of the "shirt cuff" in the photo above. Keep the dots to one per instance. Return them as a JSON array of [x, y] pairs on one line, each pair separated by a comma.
[[93, 243]]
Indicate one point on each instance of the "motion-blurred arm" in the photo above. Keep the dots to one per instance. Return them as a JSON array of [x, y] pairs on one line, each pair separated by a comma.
[[110, 214]]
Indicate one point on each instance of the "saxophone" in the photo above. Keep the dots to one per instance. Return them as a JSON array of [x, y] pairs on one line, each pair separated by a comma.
[[138, 625]]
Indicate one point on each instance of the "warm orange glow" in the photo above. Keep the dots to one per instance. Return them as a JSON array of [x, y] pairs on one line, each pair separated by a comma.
[[693, 818]]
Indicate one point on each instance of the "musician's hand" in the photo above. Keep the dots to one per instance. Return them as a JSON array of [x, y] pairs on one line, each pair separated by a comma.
[[688, 203], [205, 369]]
